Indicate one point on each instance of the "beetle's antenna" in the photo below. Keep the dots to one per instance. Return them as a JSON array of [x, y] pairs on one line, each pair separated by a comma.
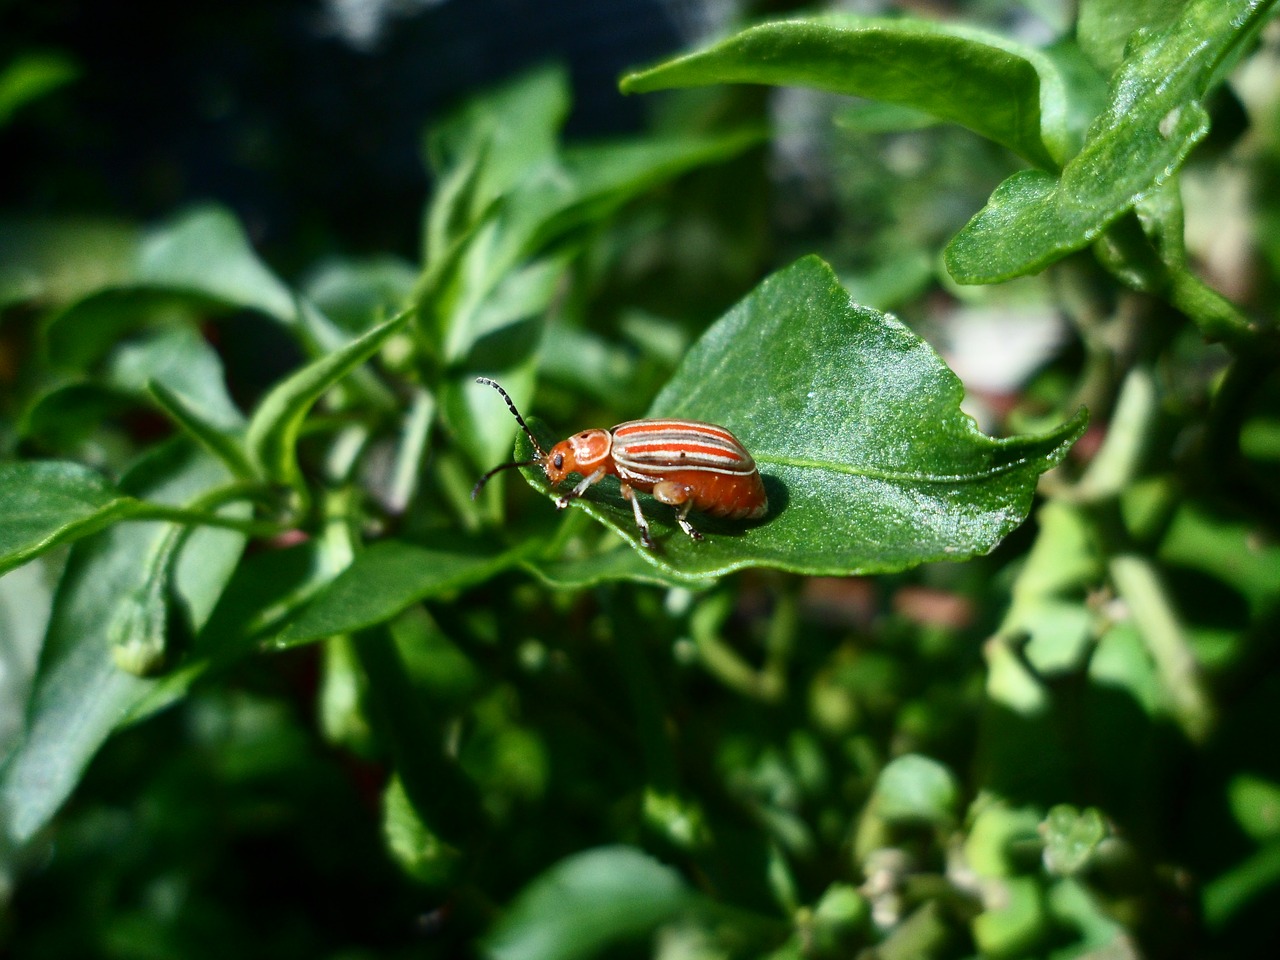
[[523, 426], [475, 491]]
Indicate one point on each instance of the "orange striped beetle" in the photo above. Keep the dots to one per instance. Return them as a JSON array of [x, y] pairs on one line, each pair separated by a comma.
[[685, 463]]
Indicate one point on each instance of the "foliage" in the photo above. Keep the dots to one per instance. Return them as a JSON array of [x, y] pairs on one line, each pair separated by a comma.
[[225, 496]]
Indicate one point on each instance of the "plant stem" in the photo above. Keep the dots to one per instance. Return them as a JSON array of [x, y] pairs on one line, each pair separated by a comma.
[[1153, 611]]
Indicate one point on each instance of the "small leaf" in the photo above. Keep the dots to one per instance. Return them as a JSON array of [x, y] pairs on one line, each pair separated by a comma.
[[916, 788], [43, 503], [996, 835], [1154, 118], [386, 579], [1255, 805], [587, 903], [273, 429], [1001, 90], [416, 847], [1015, 925], [31, 76], [855, 423], [1070, 838]]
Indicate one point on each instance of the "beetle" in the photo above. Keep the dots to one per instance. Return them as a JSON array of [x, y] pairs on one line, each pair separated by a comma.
[[687, 464]]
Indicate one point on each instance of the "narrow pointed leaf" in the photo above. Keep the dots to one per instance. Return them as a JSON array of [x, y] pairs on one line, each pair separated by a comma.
[[855, 423], [385, 580], [1155, 116], [222, 442], [273, 430]]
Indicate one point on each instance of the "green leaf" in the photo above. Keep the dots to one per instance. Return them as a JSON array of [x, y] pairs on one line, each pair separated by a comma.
[[1231, 891], [79, 696], [57, 261], [197, 263], [1104, 26], [357, 292], [183, 363], [43, 503], [217, 439], [995, 836], [1155, 116], [1071, 837], [500, 135], [266, 590], [273, 429], [577, 189], [916, 788], [1015, 924], [31, 76], [855, 423], [578, 573], [387, 579], [80, 336], [587, 903], [999, 89], [416, 847], [205, 251], [26, 597]]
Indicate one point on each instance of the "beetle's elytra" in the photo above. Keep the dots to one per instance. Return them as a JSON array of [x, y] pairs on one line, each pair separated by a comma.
[[685, 463]]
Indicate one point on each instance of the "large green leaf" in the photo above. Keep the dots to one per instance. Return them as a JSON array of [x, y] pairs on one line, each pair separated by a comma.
[[1154, 118], [868, 461], [1005, 91], [205, 251], [26, 597], [589, 902], [79, 696], [43, 503]]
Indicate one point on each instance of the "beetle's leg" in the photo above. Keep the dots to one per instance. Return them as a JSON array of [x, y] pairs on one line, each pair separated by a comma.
[[685, 525], [580, 489], [641, 522], [678, 495]]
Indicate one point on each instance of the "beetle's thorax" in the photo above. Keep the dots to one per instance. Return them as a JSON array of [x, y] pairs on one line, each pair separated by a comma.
[[591, 448], [582, 453]]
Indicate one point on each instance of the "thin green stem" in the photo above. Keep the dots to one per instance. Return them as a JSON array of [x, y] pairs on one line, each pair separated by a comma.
[[1155, 615]]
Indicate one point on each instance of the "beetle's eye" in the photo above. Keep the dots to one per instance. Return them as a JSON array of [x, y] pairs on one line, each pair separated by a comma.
[[558, 461]]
